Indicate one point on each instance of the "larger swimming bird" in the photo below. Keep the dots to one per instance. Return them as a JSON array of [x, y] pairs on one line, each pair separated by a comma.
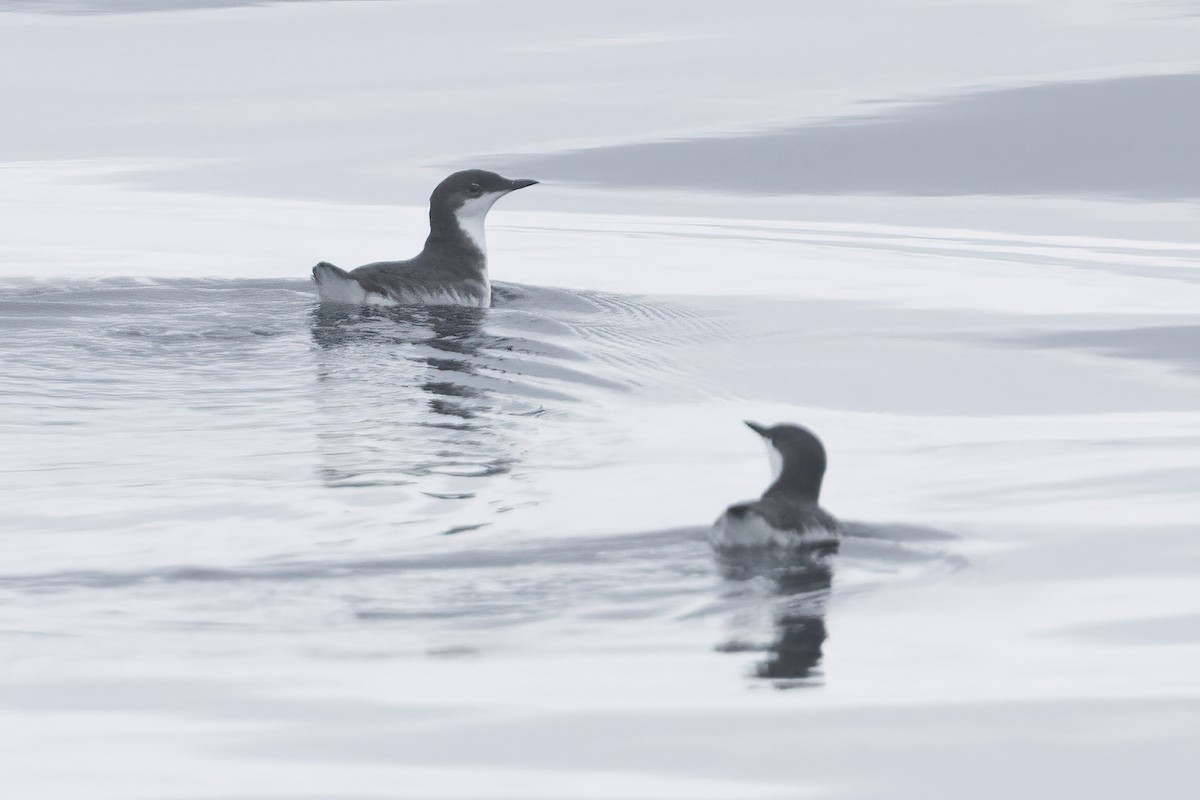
[[450, 270], [788, 513]]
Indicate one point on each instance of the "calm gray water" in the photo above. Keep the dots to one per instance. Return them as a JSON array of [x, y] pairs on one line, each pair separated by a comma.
[[229, 506]]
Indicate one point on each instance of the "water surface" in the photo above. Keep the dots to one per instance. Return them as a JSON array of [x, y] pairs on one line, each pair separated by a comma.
[[255, 548]]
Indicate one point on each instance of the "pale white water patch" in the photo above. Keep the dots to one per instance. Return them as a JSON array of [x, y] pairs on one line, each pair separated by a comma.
[[909, 266]]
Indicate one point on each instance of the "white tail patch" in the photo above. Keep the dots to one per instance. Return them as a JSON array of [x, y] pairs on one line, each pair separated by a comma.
[[333, 288]]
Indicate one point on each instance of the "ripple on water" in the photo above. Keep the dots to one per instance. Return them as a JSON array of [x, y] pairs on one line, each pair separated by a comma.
[[235, 434], [770, 605], [187, 383]]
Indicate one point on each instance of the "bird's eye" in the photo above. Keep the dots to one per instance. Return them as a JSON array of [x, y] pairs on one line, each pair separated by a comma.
[[474, 188]]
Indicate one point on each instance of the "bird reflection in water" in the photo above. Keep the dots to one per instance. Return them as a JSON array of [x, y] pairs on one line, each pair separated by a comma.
[[405, 394], [794, 584], [457, 341]]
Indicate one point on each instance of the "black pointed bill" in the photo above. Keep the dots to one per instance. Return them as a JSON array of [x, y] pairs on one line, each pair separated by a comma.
[[761, 430], [520, 183]]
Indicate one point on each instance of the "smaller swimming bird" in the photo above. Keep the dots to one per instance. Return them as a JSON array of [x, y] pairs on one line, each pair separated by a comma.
[[788, 514], [450, 270]]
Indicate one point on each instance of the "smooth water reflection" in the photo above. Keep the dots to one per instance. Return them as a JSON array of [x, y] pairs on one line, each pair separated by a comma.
[[795, 584], [405, 393]]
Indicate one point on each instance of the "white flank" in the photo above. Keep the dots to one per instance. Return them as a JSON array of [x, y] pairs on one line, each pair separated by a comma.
[[333, 288], [751, 530], [448, 297]]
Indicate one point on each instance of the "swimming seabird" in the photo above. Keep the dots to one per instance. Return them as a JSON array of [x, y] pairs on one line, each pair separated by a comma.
[[450, 270], [788, 513]]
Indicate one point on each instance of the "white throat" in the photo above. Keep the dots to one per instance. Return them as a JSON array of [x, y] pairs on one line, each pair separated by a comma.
[[775, 458], [472, 213]]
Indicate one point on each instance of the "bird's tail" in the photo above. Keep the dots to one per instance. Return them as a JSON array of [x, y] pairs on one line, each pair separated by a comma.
[[325, 272], [335, 285]]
